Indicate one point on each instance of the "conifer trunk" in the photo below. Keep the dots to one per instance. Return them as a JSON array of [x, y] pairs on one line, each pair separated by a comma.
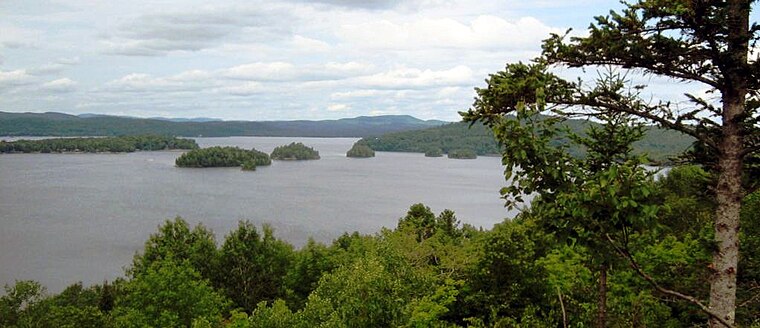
[[729, 191], [728, 196]]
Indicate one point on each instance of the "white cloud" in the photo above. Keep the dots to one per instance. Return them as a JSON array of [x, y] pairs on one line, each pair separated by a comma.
[[274, 71], [60, 85], [15, 78], [413, 78], [245, 89], [283, 71], [306, 44], [337, 107], [189, 81], [201, 28], [15, 37], [484, 32], [355, 94]]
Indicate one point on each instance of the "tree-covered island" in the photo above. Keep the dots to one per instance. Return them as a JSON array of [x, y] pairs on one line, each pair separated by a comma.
[[360, 150], [463, 154], [294, 151], [123, 144], [223, 157], [434, 152]]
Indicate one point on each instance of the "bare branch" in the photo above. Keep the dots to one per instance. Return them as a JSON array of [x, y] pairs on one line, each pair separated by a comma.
[[664, 290], [562, 304], [652, 117], [751, 299], [670, 71]]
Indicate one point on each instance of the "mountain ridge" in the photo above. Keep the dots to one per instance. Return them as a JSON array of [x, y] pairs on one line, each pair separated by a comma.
[[62, 124]]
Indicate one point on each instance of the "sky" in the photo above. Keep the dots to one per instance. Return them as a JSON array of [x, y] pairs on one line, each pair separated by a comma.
[[268, 60]]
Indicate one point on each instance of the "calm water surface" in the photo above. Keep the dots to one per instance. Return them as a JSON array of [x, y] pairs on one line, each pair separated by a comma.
[[81, 217]]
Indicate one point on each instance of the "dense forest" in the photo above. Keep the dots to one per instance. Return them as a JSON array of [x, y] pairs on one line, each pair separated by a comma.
[[658, 144], [58, 124], [223, 157], [97, 145], [360, 150], [294, 151], [430, 271]]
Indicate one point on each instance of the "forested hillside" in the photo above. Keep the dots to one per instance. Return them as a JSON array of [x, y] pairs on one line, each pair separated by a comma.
[[58, 124], [658, 144]]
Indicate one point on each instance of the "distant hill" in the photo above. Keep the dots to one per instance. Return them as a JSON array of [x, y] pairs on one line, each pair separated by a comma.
[[658, 144], [59, 124]]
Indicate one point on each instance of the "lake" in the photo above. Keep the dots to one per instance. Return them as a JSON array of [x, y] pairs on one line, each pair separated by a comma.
[[81, 217]]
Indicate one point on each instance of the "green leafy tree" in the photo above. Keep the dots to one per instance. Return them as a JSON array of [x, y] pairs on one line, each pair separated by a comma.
[[597, 200], [363, 294], [19, 298], [309, 264], [706, 42], [254, 266], [175, 240], [168, 293]]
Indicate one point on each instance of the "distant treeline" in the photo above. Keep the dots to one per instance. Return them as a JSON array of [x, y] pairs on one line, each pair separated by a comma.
[[97, 145], [659, 145], [58, 124], [223, 157]]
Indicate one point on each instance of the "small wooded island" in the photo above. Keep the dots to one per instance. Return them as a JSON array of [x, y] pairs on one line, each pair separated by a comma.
[[360, 150], [223, 157], [463, 154], [123, 144], [295, 151], [434, 152]]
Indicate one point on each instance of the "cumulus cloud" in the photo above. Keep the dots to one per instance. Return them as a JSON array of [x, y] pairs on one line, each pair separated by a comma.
[[283, 71], [413, 78], [15, 37], [139, 82], [60, 85], [160, 34], [15, 78]]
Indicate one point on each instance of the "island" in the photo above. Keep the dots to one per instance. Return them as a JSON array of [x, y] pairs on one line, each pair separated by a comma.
[[123, 144], [434, 152], [223, 157], [360, 150], [463, 154], [295, 151]]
